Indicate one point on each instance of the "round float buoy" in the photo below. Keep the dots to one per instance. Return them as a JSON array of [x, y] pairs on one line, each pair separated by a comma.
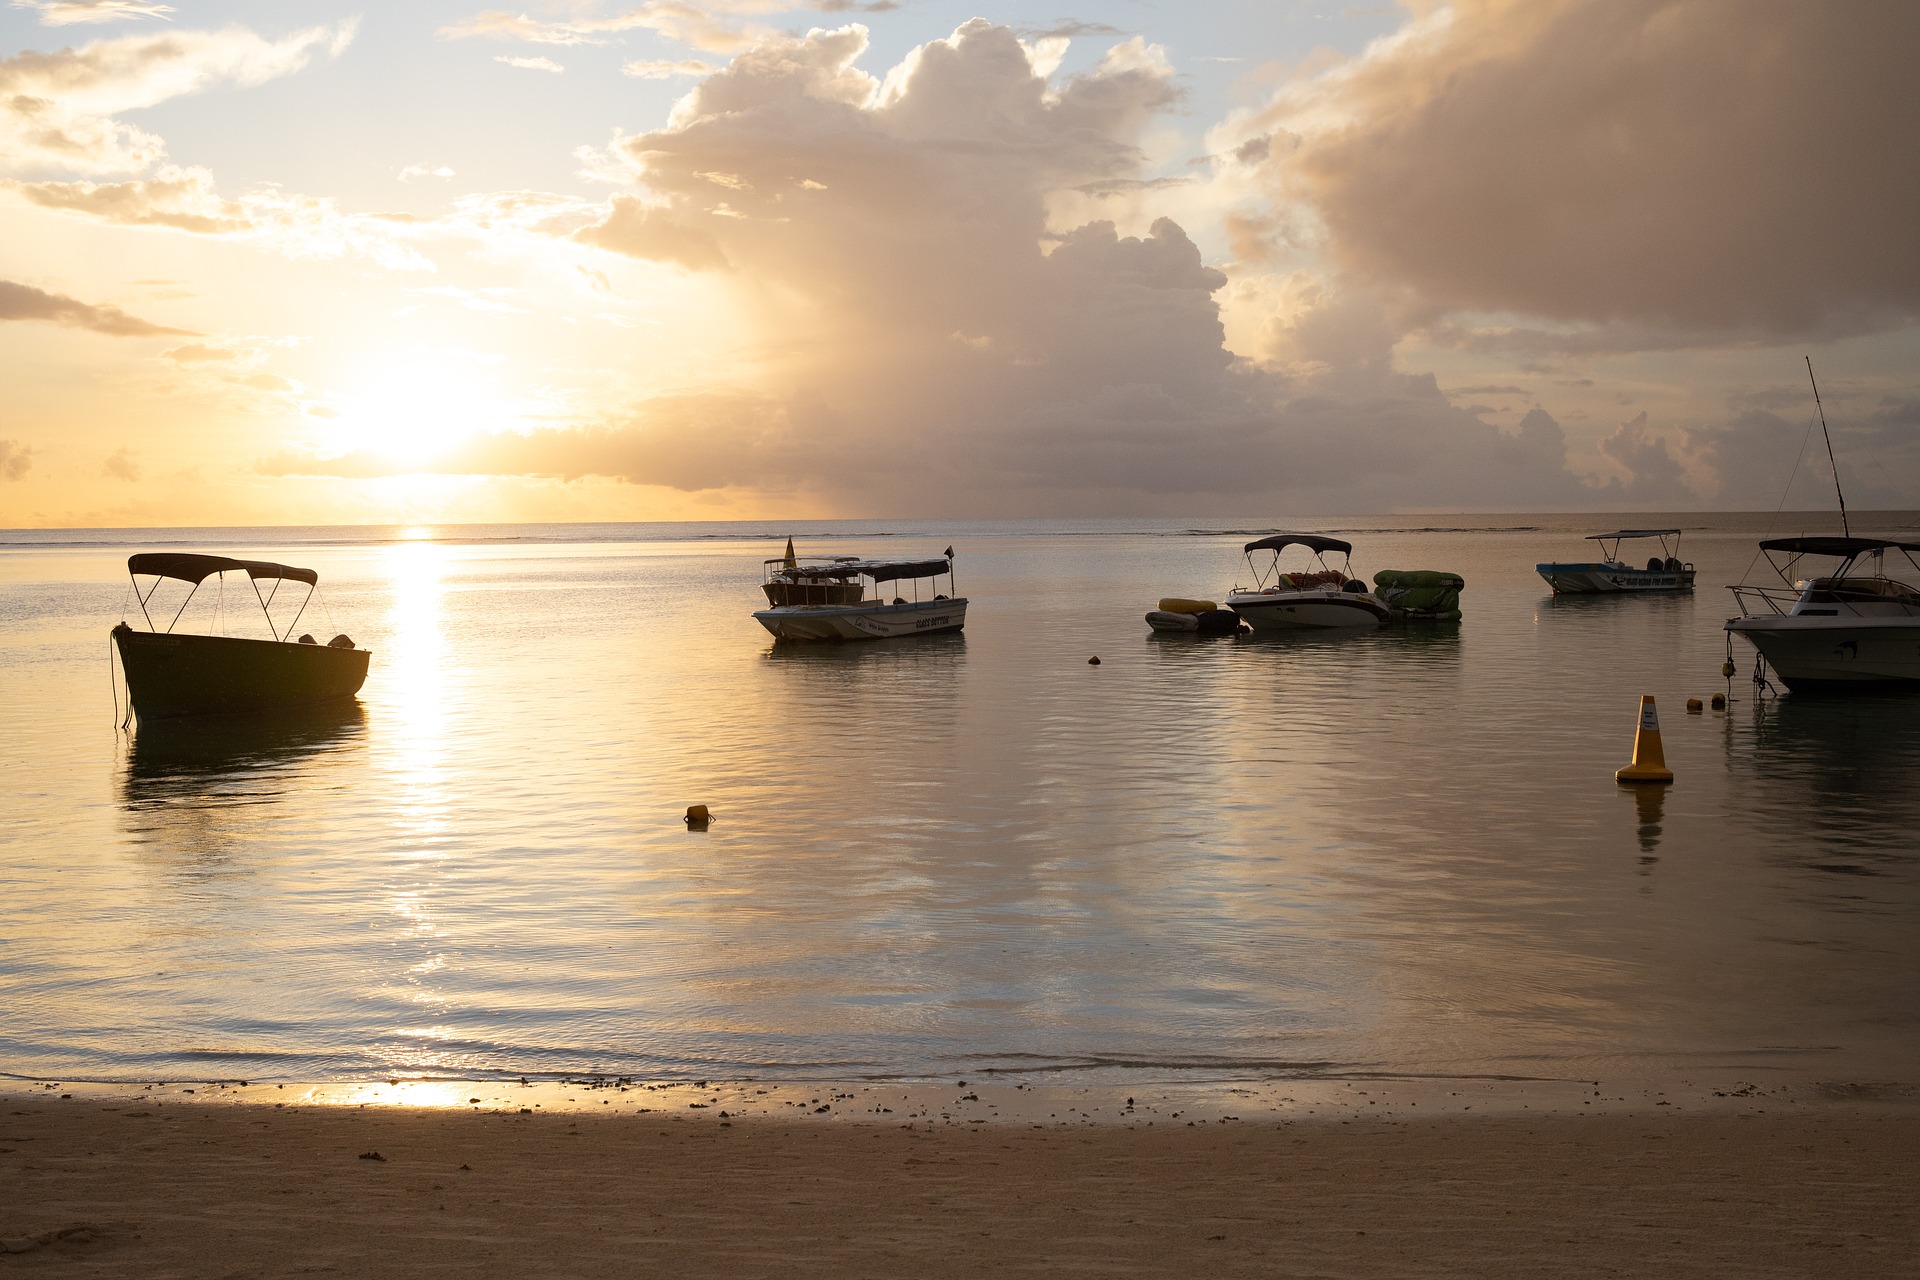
[[1693, 706]]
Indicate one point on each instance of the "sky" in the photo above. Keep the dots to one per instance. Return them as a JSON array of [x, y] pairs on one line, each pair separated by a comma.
[[429, 261]]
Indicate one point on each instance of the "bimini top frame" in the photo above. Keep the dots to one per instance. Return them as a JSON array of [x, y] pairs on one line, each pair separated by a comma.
[[1838, 586], [186, 566], [1318, 544], [1668, 550]]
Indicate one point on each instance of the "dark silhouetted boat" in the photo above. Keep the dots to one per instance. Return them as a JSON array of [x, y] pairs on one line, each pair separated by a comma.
[[186, 674]]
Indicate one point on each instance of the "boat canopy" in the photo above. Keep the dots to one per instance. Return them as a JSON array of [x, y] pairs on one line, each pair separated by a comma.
[[192, 567], [904, 569], [1311, 541], [1633, 533], [1832, 546]]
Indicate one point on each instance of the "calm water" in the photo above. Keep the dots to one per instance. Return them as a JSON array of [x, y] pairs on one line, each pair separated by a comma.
[[1397, 852]]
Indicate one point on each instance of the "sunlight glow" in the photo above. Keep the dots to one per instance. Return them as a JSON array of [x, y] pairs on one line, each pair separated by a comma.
[[421, 407]]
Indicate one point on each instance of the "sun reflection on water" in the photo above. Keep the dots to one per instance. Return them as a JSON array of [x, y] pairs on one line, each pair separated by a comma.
[[417, 773]]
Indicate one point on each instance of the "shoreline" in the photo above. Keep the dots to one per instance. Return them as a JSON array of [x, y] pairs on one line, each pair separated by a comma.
[[990, 1100], [168, 1185]]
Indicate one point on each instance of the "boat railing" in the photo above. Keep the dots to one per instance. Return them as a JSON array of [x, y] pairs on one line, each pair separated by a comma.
[[1777, 600]]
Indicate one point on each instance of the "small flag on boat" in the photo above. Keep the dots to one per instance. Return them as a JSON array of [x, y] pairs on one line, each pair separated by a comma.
[[793, 561], [949, 553]]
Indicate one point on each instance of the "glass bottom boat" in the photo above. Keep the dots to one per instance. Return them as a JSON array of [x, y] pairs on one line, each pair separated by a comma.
[[1664, 572], [820, 598]]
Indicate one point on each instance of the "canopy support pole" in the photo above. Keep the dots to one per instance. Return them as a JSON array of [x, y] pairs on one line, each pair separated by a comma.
[[183, 606], [263, 603]]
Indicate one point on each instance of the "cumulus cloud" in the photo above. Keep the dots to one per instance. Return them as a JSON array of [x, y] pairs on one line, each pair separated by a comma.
[[58, 110], [1655, 170], [530, 64], [15, 459], [421, 172], [60, 13], [24, 302], [925, 326], [640, 230]]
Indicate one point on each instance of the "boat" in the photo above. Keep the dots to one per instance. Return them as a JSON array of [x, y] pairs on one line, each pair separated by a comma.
[[1310, 599], [172, 674], [1177, 615], [1420, 595], [825, 598], [1664, 572], [1851, 626]]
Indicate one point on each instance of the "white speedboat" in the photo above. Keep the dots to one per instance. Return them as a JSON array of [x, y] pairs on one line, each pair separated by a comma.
[[1849, 627], [820, 598], [1664, 572], [1310, 599]]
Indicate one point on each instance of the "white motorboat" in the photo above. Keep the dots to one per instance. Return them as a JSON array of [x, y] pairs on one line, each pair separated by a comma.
[[825, 598], [1849, 627], [1664, 572], [1310, 599]]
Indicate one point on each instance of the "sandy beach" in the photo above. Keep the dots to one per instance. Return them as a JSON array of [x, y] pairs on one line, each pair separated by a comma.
[[158, 1187]]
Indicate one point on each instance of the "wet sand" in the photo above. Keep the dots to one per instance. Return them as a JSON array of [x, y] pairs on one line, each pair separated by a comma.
[[155, 1186]]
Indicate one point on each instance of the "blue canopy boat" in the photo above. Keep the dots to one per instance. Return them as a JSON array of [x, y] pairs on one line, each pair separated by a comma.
[[1664, 572]]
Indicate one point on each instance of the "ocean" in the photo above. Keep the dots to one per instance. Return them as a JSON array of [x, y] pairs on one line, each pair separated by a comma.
[[1399, 853]]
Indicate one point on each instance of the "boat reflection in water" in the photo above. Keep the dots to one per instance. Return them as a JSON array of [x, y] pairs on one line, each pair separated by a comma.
[[197, 787]]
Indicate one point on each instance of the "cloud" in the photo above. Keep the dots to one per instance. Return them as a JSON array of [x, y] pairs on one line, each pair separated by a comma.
[[58, 110], [15, 459], [181, 198], [689, 24], [421, 172], [195, 352], [120, 465], [23, 302], [639, 230], [60, 13], [530, 64], [185, 199], [667, 68], [1661, 171], [927, 331]]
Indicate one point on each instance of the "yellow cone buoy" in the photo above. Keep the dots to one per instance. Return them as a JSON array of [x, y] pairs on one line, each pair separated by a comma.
[[1649, 761]]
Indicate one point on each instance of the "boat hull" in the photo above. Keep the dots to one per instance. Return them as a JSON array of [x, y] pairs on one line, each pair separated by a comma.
[[1815, 652], [1606, 579], [870, 621], [193, 675], [1309, 610]]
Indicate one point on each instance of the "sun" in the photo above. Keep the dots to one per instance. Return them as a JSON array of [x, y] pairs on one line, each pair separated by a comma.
[[418, 408]]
